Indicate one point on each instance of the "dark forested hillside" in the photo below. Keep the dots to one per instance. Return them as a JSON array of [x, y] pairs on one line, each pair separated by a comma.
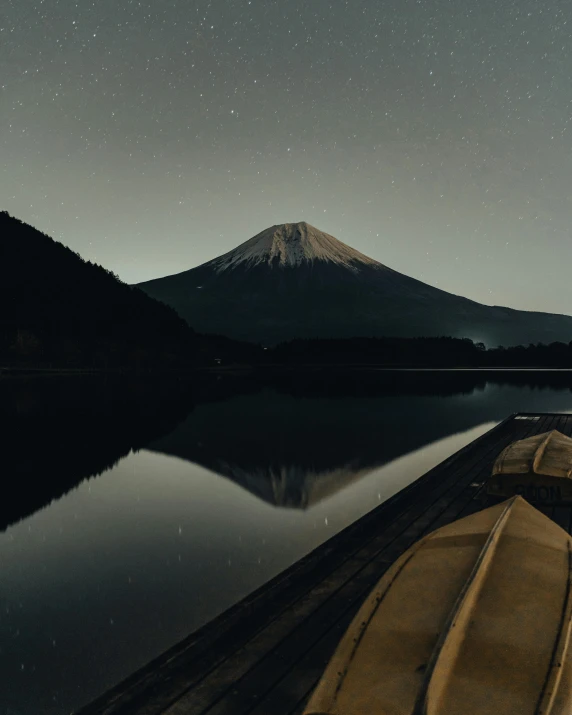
[[56, 308]]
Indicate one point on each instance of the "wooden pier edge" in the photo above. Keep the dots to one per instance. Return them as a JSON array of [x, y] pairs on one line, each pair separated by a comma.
[[198, 675]]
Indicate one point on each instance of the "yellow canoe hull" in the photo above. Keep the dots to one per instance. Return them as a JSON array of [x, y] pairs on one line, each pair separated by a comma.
[[474, 619]]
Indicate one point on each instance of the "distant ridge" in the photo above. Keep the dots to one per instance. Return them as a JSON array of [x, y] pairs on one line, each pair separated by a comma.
[[294, 281]]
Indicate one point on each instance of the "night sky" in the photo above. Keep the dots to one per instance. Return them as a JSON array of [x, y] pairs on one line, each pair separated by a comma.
[[434, 136]]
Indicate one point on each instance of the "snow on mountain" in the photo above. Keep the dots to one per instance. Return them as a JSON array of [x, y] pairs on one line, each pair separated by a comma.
[[292, 244]]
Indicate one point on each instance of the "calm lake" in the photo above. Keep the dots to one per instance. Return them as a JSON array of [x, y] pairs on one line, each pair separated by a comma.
[[135, 511]]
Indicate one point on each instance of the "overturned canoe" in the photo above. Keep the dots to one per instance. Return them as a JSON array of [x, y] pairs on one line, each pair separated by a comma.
[[474, 619], [538, 468]]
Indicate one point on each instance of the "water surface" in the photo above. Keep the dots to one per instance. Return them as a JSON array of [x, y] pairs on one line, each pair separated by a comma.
[[136, 511]]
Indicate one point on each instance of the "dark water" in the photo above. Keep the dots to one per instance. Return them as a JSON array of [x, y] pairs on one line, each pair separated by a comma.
[[136, 511]]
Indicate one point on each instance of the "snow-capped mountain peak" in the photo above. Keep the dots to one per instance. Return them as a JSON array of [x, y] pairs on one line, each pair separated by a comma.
[[293, 281], [292, 244]]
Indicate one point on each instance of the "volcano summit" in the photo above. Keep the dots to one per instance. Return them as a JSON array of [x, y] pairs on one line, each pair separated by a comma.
[[294, 281], [293, 244]]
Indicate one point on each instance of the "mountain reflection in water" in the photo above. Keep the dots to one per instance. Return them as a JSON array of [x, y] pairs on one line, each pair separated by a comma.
[[304, 441], [291, 440]]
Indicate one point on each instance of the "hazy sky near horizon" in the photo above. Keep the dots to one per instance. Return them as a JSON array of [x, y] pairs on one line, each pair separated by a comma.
[[435, 136]]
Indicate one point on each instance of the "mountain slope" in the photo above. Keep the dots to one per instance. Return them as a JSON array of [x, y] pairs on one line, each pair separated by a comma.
[[294, 281], [57, 308]]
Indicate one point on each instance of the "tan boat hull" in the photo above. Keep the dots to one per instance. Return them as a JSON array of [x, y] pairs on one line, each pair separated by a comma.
[[474, 619], [538, 468]]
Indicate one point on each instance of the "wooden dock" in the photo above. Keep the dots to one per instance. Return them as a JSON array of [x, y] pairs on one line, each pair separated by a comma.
[[264, 655]]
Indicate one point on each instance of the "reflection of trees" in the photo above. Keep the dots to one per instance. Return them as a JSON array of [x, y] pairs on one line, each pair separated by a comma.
[[56, 432]]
